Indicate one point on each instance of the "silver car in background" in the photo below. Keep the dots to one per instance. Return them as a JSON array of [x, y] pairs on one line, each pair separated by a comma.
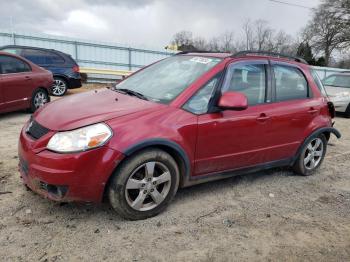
[[338, 90]]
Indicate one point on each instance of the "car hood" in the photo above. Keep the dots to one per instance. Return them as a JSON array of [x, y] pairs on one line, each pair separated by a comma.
[[91, 107]]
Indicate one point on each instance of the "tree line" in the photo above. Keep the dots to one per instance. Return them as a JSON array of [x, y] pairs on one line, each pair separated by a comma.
[[326, 34]]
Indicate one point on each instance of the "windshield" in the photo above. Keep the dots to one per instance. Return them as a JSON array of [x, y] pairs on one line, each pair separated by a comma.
[[337, 80], [165, 80]]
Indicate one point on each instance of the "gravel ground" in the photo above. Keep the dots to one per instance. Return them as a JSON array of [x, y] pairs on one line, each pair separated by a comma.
[[265, 216]]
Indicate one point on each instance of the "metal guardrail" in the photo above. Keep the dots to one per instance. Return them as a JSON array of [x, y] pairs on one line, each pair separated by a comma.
[[97, 75], [99, 71], [131, 57]]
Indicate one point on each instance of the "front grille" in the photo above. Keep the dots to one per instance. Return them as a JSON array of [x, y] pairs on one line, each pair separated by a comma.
[[36, 130]]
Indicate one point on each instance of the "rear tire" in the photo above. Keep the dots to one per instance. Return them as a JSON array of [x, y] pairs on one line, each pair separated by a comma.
[[144, 185], [59, 86], [39, 98], [311, 156]]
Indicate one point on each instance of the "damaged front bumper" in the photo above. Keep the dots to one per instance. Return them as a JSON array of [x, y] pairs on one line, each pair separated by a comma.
[[66, 177]]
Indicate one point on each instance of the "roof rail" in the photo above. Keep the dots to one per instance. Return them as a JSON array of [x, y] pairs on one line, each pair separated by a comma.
[[267, 53], [201, 51]]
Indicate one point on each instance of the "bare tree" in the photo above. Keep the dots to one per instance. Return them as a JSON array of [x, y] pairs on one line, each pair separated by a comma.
[[183, 38], [284, 43], [213, 44], [200, 43], [248, 34], [329, 29], [226, 42], [257, 35], [263, 35]]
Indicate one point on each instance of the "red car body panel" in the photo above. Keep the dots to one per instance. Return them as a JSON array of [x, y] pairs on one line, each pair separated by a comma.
[[91, 107], [16, 89], [208, 144]]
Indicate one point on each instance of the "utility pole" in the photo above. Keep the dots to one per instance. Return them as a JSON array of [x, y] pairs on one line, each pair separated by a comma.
[[12, 30]]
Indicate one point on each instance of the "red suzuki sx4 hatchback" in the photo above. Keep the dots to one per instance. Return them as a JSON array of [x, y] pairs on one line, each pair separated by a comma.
[[188, 119]]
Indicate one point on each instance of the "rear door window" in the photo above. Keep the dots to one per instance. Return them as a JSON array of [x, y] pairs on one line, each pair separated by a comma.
[[11, 65], [36, 56], [290, 83]]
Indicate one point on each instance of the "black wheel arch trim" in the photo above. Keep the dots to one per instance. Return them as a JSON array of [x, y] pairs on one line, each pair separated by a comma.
[[162, 142], [64, 77], [330, 130]]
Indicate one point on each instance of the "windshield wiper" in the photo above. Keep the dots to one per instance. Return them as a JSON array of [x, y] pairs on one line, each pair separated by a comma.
[[131, 92]]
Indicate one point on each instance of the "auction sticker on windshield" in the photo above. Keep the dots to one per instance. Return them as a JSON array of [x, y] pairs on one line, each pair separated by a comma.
[[202, 60]]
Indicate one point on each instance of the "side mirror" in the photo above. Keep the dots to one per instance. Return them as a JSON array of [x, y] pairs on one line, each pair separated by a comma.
[[233, 101]]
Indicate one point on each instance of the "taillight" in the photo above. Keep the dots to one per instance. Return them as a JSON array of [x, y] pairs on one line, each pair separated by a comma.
[[331, 109], [76, 69]]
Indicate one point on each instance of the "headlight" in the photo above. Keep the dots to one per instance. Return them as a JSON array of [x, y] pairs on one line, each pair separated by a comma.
[[80, 139]]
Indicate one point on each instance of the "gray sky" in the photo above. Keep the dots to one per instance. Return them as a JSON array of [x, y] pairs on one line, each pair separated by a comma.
[[148, 23]]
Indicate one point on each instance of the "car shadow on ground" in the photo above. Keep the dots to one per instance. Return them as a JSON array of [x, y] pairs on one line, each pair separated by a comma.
[[340, 114], [84, 211], [8, 116]]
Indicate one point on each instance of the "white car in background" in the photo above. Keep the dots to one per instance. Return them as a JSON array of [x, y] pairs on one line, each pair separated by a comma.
[[338, 90]]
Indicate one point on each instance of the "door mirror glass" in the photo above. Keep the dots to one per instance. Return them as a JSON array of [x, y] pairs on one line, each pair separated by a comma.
[[233, 101]]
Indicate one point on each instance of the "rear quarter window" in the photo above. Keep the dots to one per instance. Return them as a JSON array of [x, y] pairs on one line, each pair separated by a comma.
[[318, 82], [53, 58]]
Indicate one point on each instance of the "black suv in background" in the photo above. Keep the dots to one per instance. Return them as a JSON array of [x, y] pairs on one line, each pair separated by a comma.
[[63, 67]]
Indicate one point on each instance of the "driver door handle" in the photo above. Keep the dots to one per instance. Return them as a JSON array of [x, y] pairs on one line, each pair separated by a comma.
[[263, 118]]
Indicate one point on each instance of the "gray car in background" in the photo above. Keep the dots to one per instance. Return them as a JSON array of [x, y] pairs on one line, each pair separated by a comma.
[[338, 90]]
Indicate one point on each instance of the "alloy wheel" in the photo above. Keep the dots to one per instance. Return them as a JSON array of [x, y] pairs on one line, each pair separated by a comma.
[[59, 87], [40, 99], [313, 154], [148, 186]]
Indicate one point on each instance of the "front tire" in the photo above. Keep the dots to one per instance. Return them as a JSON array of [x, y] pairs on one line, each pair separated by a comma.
[[143, 185], [311, 156], [59, 86], [40, 98]]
